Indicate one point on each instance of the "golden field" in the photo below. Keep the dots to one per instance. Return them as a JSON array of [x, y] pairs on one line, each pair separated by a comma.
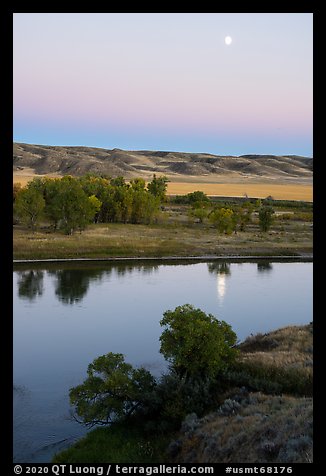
[[279, 191], [26, 175], [256, 190]]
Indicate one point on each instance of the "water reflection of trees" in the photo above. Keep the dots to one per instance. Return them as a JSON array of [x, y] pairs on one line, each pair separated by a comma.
[[72, 284], [219, 267], [264, 266], [123, 269], [30, 284]]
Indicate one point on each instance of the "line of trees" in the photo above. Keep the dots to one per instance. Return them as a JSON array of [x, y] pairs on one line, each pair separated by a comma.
[[70, 203]]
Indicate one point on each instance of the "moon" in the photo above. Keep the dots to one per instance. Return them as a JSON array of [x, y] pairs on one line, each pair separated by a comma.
[[228, 40]]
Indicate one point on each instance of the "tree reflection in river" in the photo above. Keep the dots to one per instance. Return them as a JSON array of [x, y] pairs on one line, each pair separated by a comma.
[[72, 284], [219, 267], [264, 266], [30, 284]]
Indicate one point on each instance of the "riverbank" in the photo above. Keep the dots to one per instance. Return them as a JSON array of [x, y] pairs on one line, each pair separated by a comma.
[[168, 259], [264, 416], [163, 241]]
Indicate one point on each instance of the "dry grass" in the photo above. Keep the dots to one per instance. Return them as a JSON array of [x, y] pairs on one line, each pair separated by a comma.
[[27, 175], [167, 239], [98, 241], [251, 428], [287, 347], [277, 362]]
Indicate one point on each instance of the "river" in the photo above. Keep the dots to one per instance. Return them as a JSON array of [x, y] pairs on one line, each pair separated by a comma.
[[66, 315]]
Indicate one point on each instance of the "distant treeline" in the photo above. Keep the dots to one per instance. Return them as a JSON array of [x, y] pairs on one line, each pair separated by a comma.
[[230, 201]]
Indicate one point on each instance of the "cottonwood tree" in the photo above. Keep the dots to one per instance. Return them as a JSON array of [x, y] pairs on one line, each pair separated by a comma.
[[196, 344], [244, 214], [112, 390], [68, 206], [196, 197], [144, 206], [266, 213], [158, 187], [29, 206]]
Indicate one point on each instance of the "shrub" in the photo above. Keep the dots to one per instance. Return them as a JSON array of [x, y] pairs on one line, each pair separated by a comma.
[[270, 379], [196, 344], [224, 219]]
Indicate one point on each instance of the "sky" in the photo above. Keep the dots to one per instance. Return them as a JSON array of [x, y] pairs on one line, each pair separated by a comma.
[[165, 81]]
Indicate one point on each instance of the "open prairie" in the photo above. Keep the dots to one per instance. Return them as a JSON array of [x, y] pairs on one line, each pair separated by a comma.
[[255, 190], [28, 174], [279, 191]]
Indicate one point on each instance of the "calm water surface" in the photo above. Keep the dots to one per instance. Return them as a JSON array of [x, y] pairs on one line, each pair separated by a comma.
[[66, 316]]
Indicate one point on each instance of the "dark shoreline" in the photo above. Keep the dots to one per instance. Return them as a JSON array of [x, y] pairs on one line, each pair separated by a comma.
[[308, 257]]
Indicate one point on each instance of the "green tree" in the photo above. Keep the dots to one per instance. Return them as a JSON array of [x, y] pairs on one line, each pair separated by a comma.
[[266, 213], [197, 196], [243, 215], [52, 208], [158, 187], [95, 204], [122, 203], [144, 206], [119, 182], [196, 344], [68, 205], [138, 184], [108, 211], [199, 211], [112, 390], [29, 206], [93, 184], [223, 219], [39, 184], [100, 188]]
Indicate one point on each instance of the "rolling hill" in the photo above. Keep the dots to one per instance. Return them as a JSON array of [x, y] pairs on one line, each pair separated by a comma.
[[178, 166]]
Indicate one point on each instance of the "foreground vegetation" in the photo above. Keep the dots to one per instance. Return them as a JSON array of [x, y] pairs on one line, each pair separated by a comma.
[[268, 416], [248, 428], [246, 416]]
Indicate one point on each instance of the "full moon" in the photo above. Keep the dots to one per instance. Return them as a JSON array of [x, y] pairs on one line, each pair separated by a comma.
[[228, 40]]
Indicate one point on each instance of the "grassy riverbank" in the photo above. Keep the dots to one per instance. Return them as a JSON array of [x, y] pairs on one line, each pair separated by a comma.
[[174, 235], [270, 420]]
